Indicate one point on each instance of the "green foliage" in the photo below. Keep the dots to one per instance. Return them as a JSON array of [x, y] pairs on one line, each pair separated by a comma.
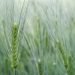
[[35, 39]]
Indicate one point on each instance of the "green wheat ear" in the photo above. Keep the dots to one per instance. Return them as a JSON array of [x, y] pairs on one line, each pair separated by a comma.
[[14, 45]]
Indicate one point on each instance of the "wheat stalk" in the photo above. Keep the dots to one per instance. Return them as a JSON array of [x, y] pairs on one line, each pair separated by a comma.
[[14, 47]]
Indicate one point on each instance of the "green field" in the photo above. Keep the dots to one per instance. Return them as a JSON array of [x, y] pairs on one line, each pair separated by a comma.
[[37, 37]]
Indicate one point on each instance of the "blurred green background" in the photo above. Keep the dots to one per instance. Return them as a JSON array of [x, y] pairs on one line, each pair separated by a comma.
[[43, 42]]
